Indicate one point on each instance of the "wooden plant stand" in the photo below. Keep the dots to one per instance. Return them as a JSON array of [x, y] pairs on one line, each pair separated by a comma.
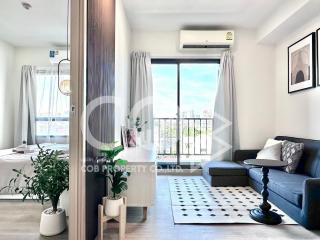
[[103, 219]]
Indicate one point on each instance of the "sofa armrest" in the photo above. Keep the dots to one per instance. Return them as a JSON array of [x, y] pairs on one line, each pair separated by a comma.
[[311, 203], [241, 155]]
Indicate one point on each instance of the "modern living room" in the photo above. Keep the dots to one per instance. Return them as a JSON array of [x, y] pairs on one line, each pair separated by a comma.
[[221, 97], [180, 119]]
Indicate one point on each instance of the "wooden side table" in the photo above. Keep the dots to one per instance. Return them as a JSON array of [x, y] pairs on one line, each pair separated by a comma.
[[263, 214], [103, 219]]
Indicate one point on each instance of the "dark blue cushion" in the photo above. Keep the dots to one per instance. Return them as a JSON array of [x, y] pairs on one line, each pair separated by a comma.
[[224, 168], [288, 186]]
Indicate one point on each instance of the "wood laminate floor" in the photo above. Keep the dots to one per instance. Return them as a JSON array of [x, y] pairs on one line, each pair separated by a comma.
[[21, 221]]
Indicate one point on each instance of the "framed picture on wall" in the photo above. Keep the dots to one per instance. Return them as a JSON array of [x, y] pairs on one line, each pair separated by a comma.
[[302, 64], [318, 57]]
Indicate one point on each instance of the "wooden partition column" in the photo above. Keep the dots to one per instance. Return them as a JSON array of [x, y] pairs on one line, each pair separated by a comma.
[[100, 82]]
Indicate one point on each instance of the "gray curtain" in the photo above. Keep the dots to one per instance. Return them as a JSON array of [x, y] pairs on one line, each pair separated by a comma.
[[141, 92], [26, 116], [225, 136]]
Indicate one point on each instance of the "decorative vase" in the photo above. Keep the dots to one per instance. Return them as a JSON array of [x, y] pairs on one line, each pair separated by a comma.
[[52, 223], [113, 207]]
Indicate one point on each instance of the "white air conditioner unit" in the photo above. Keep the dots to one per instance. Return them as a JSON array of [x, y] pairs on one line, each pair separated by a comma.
[[197, 39], [56, 56]]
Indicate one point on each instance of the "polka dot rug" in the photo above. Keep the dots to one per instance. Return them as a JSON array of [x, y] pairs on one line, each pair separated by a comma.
[[195, 202]]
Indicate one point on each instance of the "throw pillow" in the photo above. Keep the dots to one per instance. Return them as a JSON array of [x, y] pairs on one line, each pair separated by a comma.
[[291, 153], [272, 152], [271, 142]]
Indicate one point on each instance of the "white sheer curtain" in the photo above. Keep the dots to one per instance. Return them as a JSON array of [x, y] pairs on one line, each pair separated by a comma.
[[25, 125], [141, 93], [52, 107], [225, 136]]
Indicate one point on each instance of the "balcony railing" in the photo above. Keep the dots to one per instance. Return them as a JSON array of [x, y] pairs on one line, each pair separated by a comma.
[[195, 136]]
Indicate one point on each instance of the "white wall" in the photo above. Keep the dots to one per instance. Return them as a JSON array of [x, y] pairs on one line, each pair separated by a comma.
[[11, 60], [297, 114], [254, 71], [7, 101], [122, 67]]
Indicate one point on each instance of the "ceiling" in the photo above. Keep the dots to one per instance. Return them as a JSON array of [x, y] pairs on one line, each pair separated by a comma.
[[43, 25], [164, 15]]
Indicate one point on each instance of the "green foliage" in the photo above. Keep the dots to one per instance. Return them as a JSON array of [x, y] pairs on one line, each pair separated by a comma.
[[49, 179], [115, 170]]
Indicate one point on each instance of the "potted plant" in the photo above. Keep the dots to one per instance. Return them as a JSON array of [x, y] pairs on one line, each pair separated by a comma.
[[117, 175], [49, 179]]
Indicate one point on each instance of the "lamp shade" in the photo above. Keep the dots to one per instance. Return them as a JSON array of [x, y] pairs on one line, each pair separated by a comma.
[[64, 77], [64, 86]]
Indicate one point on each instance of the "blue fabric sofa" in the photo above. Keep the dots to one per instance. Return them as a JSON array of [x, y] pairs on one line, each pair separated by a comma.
[[296, 194]]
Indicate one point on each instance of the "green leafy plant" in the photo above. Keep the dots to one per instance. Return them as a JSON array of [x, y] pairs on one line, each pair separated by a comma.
[[115, 170], [138, 124], [49, 179]]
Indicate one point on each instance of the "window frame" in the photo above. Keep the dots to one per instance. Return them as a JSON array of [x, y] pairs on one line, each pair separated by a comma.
[[179, 61], [49, 118]]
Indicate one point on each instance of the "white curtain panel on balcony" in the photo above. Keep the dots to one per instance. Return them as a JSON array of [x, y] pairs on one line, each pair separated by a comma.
[[225, 136], [26, 116], [141, 93]]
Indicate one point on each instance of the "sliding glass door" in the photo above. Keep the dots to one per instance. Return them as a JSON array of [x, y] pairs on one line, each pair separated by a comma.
[[165, 110], [184, 93]]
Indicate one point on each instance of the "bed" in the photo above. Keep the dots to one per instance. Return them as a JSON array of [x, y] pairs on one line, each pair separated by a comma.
[[11, 160]]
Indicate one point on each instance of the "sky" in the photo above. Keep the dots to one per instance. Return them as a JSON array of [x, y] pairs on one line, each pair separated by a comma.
[[198, 86]]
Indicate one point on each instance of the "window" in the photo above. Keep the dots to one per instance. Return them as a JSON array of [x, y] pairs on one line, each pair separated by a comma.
[[52, 116], [184, 93]]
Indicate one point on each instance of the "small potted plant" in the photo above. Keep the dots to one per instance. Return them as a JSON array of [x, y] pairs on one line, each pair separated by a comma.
[[49, 179], [138, 124], [117, 175]]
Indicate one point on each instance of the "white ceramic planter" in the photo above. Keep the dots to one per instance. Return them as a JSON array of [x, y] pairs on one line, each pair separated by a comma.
[[52, 223], [112, 208], [64, 202]]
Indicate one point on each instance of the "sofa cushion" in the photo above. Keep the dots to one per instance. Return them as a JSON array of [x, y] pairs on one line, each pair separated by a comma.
[[271, 152], [288, 186], [291, 153], [310, 161], [224, 168]]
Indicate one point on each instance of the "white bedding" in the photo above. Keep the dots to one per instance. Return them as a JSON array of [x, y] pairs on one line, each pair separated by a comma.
[[10, 160]]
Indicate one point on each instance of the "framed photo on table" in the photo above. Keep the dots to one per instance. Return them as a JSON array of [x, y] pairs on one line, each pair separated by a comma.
[[302, 64], [124, 140]]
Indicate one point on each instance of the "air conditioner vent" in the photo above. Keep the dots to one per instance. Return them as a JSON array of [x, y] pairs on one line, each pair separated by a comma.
[[206, 39]]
